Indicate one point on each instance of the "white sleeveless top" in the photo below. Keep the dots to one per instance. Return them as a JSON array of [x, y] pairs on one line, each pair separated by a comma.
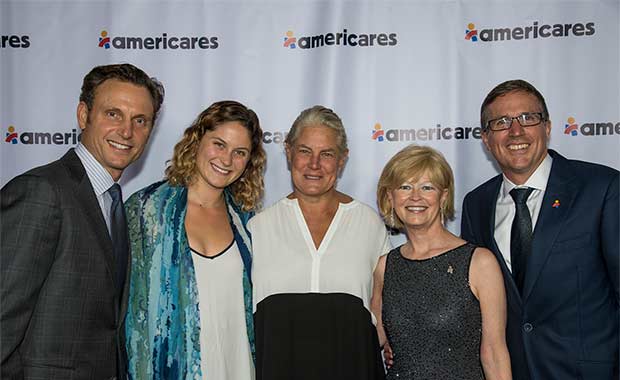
[[224, 347]]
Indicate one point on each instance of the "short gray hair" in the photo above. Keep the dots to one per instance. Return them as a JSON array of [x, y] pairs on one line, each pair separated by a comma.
[[318, 116]]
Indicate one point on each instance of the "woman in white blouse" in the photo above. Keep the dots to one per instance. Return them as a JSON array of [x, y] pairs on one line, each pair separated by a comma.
[[314, 255]]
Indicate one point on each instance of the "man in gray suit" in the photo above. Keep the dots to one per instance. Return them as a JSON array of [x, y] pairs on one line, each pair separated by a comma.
[[64, 261]]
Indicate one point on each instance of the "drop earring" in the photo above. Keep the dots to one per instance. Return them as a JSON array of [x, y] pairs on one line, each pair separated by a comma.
[[441, 215]]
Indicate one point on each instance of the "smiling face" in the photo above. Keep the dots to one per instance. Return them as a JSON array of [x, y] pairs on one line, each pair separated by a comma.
[[418, 203], [518, 150], [315, 161], [117, 128], [222, 155]]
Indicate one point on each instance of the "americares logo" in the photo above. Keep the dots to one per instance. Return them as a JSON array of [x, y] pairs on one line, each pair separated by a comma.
[[104, 40], [13, 41], [162, 42], [11, 135], [536, 30], [471, 33], [276, 137], [571, 128], [41, 138], [289, 40], [343, 38], [378, 134], [425, 134]]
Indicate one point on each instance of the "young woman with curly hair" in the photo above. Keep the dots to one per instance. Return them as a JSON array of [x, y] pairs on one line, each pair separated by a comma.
[[190, 301]]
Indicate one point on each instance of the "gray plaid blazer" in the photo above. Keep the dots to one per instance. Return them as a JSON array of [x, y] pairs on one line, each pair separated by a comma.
[[60, 313]]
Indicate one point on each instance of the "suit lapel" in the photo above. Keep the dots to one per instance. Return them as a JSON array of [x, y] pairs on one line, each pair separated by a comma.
[[489, 238], [550, 219], [87, 200]]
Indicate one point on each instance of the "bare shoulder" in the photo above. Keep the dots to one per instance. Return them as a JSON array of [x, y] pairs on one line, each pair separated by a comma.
[[484, 264], [483, 257], [485, 274]]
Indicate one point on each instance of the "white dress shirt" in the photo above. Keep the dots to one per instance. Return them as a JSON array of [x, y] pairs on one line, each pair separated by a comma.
[[505, 206]]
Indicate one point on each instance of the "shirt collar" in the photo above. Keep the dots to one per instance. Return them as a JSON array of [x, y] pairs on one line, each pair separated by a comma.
[[538, 180], [99, 178]]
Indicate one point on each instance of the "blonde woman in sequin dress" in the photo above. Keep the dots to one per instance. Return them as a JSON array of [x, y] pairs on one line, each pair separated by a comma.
[[439, 300]]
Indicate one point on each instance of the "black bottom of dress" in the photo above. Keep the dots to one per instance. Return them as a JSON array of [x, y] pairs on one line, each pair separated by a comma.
[[315, 336]]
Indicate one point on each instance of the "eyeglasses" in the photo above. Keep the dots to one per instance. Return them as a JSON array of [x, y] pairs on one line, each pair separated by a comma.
[[526, 119]]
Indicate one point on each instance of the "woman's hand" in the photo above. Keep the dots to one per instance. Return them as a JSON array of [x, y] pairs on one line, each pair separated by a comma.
[[388, 355]]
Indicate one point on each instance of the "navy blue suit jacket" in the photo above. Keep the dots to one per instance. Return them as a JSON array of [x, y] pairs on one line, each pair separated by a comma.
[[565, 325]]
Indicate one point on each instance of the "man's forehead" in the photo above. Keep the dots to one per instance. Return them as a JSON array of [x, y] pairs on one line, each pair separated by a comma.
[[517, 99], [113, 92]]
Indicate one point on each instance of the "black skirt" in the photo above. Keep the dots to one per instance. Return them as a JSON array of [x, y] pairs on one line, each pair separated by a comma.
[[316, 336]]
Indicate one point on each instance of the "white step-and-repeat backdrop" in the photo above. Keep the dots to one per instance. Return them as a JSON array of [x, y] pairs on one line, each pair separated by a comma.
[[397, 72]]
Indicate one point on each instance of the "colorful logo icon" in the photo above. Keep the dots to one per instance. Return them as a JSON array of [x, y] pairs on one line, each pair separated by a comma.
[[556, 204], [378, 134], [104, 40], [591, 128], [290, 41], [471, 33], [11, 135], [571, 128]]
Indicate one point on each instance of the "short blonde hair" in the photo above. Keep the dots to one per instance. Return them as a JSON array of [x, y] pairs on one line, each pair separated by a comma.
[[247, 190], [413, 162]]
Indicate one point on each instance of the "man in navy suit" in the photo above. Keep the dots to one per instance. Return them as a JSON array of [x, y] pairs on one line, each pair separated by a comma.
[[562, 280], [63, 271]]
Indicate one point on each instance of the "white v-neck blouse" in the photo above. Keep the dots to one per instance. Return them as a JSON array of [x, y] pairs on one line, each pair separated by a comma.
[[285, 259]]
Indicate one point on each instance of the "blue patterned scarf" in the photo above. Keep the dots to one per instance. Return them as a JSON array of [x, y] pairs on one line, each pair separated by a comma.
[[163, 319]]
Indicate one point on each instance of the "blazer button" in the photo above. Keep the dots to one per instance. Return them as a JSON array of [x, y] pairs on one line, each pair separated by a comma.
[[527, 327]]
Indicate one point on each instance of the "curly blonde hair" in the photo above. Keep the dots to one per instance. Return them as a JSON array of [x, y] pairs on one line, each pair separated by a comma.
[[247, 190], [411, 163]]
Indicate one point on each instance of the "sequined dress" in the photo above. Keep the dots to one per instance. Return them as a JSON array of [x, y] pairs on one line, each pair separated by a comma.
[[431, 317]]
